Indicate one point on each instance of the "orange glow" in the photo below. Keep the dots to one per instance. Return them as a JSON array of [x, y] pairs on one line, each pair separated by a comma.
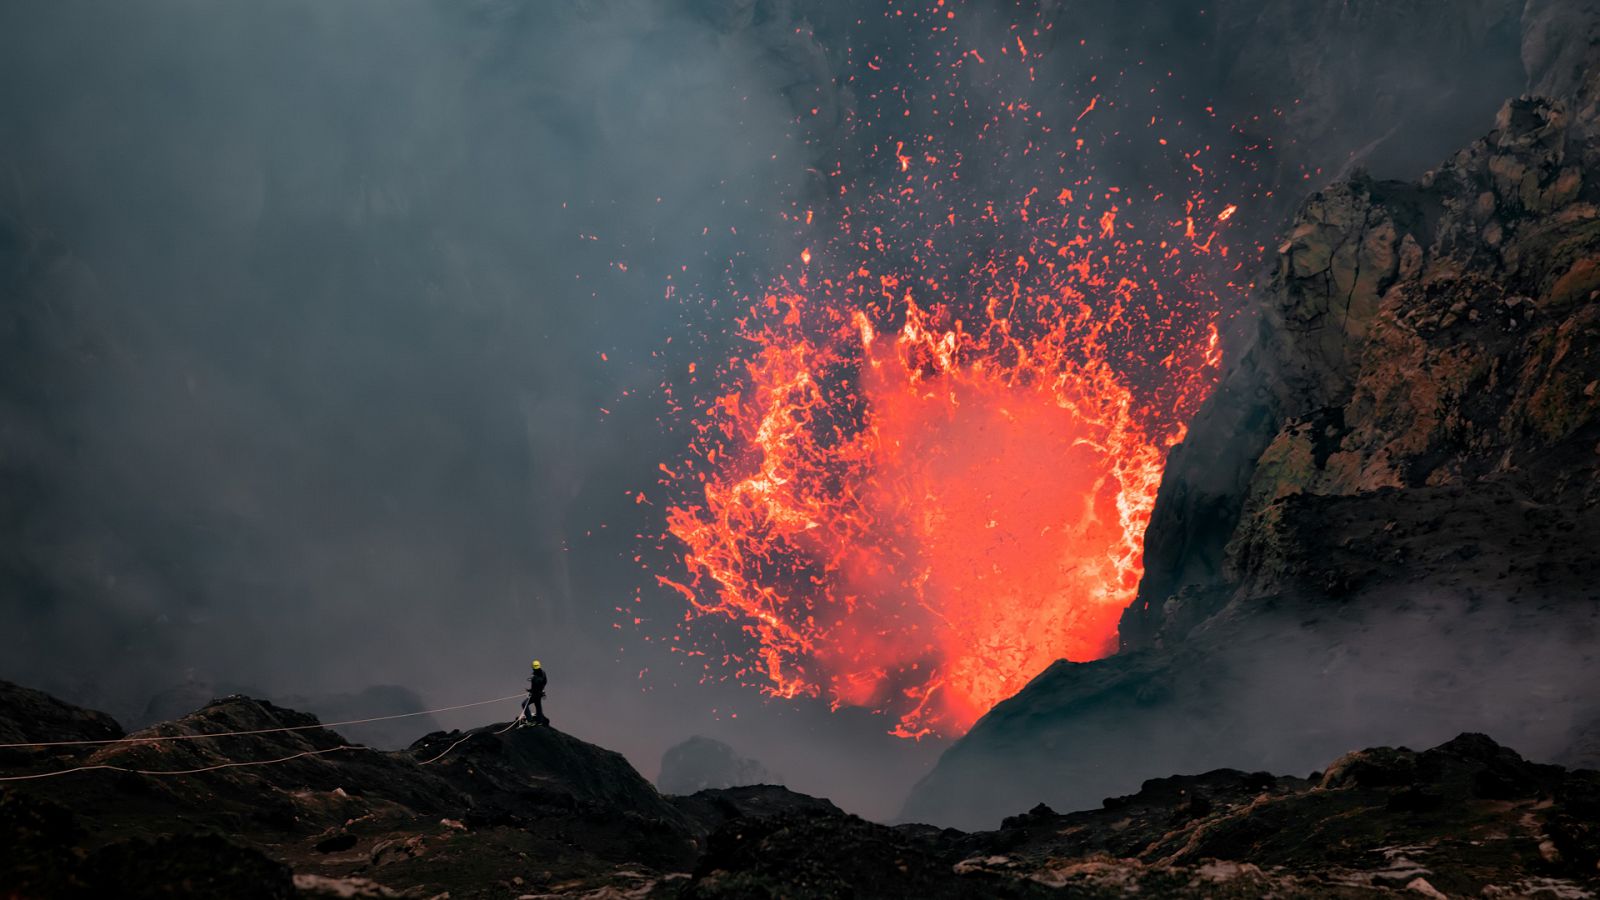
[[923, 523], [921, 469]]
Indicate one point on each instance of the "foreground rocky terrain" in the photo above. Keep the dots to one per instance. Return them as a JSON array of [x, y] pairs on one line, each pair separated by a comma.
[[534, 812]]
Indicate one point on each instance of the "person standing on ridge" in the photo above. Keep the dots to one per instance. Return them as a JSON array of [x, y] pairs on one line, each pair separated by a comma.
[[536, 683]]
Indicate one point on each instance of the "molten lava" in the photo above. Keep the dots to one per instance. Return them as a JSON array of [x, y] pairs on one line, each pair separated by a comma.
[[925, 522], [929, 474]]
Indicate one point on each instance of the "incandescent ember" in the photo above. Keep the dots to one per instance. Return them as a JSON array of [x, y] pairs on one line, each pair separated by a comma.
[[927, 473]]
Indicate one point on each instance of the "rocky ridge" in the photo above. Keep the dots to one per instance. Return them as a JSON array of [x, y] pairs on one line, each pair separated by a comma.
[[1380, 527], [533, 812]]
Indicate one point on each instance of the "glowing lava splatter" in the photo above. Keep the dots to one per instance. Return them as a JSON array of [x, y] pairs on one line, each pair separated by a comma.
[[929, 476]]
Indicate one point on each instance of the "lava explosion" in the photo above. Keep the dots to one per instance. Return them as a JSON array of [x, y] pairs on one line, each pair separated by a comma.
[[929, 476]]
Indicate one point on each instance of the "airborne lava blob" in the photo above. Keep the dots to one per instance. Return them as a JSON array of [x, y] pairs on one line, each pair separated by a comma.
[[929, 476]]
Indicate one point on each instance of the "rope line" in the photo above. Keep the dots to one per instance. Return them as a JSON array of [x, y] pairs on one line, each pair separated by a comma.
[[260, 762], [236, 765], [464, 738], [197, 737], [228, 765]]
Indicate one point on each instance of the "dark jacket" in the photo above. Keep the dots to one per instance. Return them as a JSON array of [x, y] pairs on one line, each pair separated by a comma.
[[536, 683]]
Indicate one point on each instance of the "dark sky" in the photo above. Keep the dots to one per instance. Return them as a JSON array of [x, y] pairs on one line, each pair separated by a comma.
[[309, 312]]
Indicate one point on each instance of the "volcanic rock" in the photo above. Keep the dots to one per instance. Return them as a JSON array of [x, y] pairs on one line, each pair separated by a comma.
[[29, 715], [181, 699], [1380, 528], [534, 812], [371, 702], [185, 865], [529, 803], [42, 854], [374, 701], [1350, 833], [540, 767], [710, 809]]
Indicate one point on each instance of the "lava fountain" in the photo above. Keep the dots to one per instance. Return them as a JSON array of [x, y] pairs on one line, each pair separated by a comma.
[[921, 521], [928, 474]]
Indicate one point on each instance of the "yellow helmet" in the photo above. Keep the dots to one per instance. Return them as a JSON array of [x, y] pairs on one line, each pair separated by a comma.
[[536, 664]]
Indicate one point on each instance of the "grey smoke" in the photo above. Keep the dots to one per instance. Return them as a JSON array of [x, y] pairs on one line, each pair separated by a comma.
[[1287, 692], [701, 762]]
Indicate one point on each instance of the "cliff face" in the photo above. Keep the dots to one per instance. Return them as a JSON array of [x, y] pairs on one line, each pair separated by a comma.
[[1429, 335], [1381, 527], [1411, 335]]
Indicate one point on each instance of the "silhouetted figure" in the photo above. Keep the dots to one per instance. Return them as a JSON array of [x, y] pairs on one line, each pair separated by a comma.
[[536, 683]]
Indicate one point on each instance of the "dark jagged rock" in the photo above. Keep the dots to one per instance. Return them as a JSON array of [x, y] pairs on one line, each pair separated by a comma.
[[541, 766], [376, 700], [37, 847], [324, 779], [534, 812], [1384, 509], [710, 809], [194, 693], [1484, 829], [1491, 829], [1376, 529], [29, 715], [701, 762], [43, 854], [817, 855], [313, 781]]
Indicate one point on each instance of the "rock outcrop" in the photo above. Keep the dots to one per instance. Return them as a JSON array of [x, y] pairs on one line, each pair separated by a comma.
[[532, 812], [1380, 528], [701, 762], [1467, 818], [30, 715]]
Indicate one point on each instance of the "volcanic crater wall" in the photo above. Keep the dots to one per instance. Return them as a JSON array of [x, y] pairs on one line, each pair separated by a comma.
[[1381, 527]]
